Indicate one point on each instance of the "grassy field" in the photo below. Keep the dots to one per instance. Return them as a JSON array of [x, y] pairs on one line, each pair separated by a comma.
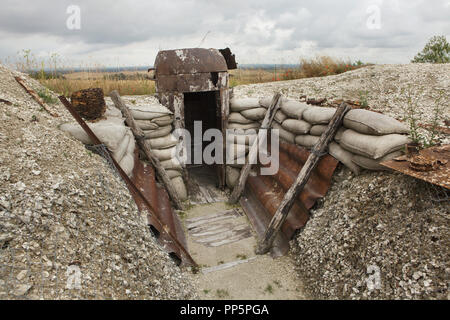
[[136, 82]]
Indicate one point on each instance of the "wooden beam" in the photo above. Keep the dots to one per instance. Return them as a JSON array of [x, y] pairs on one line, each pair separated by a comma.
[[145, 146], [262, 136], [35, 96], [283, 210]]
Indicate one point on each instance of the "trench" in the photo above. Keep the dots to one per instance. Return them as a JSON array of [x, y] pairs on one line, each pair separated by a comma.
[[219, 236], [222, 241]]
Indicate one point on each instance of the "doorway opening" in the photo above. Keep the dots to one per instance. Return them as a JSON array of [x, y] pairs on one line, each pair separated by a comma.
[[204, 107]]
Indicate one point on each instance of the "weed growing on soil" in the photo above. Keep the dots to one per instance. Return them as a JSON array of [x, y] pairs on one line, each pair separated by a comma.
[[363, 99], [269, 289], [222, 293], [241, 256], [45, 95]]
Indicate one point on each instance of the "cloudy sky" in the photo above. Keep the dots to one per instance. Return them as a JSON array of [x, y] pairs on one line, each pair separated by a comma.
[[130, 33]]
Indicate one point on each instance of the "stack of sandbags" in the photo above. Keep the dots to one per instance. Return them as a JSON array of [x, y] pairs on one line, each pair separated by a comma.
[[156, 122], [366, 138], [373, 138], [112, 132], [243, 124]]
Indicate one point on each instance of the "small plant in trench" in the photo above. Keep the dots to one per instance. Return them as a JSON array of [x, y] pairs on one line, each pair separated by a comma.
[[222, 293], [206, 291], [241, 256], [269, 289]]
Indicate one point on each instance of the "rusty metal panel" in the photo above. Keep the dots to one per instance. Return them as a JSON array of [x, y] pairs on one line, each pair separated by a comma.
[[189, 61], [264, 194], [431, 165], [144, 179]]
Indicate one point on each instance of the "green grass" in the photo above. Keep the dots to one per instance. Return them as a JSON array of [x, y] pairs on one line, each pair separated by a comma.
[[222, 293], [269, 289], [46, 96]]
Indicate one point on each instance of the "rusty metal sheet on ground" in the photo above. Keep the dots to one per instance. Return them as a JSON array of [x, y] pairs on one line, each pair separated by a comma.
[[431, 165], [144, 179]]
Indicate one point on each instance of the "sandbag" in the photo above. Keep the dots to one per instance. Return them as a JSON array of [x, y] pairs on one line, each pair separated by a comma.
[[180, 187], [232, 176], [147, 124], [293, 109], [318, 115], [375, 165], [343, 156], [318, 129], [172, 164], [237, 117], [279, 117], [107, 131], [157, 133], [252, 125], [122, 147], [149, 112], [284, 134], [339, 133], [373, 147], [254, 114], [373, 123], [306, 140], [173, 173], [246, 139], [243, 104], [163, 142], [165, 154], [236, 163], [296, 126], [163, 121], [238, 151], [265, 102], [127, 163], [112, 112]]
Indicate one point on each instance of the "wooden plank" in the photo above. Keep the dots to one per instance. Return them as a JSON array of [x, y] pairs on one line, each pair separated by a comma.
[[35, 96], [145, 146], [226, 265], [262, 136], [283, 210]]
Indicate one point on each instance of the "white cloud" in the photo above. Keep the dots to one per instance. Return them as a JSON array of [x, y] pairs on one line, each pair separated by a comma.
[[258, 31]]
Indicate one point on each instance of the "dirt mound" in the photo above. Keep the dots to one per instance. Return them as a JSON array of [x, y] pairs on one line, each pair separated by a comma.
[[385, 88], [68, 226], [376, 224]]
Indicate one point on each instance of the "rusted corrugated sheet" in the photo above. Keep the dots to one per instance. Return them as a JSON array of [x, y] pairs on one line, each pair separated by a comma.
[[144, 179], [264, 194], [431, 165]]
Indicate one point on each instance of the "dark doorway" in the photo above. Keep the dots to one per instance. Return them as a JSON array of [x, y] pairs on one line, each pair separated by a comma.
[[204, 107]]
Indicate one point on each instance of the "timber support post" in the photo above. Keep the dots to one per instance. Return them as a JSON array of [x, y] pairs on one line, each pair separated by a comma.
[[282, 212], [262, 135]]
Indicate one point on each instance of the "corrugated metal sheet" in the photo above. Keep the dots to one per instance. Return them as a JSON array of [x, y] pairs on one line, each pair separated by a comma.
[[264, 194], [144, 179], [431, 165]]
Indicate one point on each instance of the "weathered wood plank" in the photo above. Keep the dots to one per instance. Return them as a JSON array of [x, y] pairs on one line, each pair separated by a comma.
[[262, 136], [282, 212]]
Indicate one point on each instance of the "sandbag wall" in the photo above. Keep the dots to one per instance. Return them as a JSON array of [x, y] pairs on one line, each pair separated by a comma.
[[112, 132], [366, 138], [156, 122]]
